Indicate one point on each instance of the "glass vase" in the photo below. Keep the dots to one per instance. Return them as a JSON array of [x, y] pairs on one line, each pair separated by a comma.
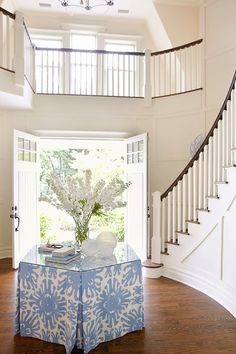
[[81, 233]]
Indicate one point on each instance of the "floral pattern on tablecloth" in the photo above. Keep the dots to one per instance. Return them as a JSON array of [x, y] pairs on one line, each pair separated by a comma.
[[48, 304], [79, 308], [116, 306]]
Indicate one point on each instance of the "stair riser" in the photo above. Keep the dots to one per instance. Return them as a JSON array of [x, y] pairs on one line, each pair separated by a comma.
[[231, 174]]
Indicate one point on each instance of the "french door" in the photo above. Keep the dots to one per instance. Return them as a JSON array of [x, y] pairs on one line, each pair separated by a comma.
[[137, 227], [24, 213]]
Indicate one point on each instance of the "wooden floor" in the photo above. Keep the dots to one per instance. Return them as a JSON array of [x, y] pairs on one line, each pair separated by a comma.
[[178, 319]]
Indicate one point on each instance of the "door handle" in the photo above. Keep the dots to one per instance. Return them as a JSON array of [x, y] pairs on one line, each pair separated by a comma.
[[15, 216]]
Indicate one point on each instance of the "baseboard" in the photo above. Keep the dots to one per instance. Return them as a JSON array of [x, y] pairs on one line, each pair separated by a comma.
[[5, 252], [214, 290]]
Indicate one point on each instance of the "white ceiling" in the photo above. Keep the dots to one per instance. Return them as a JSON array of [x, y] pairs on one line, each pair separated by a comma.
[[137, 8]]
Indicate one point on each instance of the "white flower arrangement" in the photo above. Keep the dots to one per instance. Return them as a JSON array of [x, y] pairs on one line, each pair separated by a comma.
[[81, 198]]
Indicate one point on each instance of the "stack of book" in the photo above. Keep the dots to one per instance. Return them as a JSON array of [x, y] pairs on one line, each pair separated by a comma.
[[63, 255]]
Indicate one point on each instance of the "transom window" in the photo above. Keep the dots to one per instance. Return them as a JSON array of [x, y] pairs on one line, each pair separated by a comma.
[[27, 150]]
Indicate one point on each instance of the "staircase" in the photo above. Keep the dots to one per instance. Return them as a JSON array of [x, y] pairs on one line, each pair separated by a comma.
[[194, 233]]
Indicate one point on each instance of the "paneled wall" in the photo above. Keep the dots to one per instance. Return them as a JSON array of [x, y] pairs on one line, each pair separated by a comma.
[[219, 28]]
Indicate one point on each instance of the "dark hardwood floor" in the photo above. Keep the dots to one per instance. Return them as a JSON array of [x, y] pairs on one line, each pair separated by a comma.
[[178, 320]]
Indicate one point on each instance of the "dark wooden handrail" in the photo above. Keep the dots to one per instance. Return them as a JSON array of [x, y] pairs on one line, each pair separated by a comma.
[[205, 142], [177, 48], [98, 51], [7, 13]]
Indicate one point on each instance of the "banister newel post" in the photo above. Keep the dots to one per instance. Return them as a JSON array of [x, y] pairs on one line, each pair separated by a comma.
[[156, 237], [147, 79], [19, 60]]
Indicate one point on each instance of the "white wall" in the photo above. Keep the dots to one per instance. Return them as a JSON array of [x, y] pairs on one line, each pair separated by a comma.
[[8, 5], [180, 22], [220, 52]]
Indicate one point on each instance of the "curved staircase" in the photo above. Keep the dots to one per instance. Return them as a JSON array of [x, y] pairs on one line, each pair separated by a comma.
[[194, 234]]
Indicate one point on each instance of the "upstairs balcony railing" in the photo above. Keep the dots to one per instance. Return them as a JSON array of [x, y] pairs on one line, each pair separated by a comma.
[[89, 72], [176, 70], [66, 71]]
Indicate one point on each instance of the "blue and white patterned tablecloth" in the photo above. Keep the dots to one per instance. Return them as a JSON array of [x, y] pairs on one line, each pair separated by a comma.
[[85, 303]]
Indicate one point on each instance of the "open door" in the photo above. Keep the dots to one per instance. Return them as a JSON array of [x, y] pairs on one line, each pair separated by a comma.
[[24, 212], [137, 195]]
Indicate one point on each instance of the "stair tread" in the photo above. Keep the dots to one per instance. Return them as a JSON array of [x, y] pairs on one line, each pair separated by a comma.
[[166, 253], [183, 233], [193, 222], [213, 196], [149, 264], [202, 209], [172, 243], [229, 166]]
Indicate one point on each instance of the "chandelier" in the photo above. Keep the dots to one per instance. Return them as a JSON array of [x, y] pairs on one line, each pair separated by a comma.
[[87, 4]]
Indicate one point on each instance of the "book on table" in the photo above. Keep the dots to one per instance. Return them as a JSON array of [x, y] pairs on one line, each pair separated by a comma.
[[56, 249], [62, 260], [45, 248], [63, 252]]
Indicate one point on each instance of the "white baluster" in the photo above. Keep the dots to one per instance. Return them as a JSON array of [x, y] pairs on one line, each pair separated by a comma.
[[42, 72], [169, 223], [164, 76], [195, 190], [154, 74], [180, 70], [232, 123], [184, 214], [7, 39], [223, 145], [159, 76], [170, 72], [215, 157], [180, 221], [228, 134], [191, 67], [1, 40], [205, 177], [219, 158], [175, 73], [163, 224], [174, 214], [190, 193], [200, 180], [210, 167]]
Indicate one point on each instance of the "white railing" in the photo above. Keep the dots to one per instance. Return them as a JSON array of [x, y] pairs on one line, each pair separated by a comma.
[[89, 72], [198, 182], [177, 69], [97, 72], [7, 40]]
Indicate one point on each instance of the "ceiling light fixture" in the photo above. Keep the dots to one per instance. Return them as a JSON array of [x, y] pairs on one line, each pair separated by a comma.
[[87, 4]]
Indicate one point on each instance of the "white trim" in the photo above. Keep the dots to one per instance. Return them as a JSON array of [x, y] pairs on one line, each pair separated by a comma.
[[86, 135], [215, 290], [152, 272]]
